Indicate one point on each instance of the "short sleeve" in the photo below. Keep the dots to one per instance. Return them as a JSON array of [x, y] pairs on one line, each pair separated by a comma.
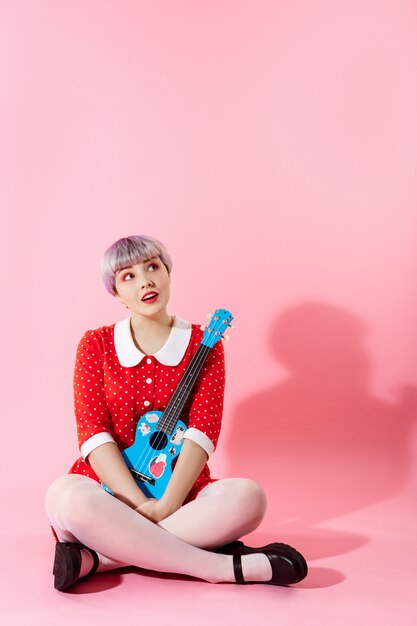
[[91, 411], [206, 410]]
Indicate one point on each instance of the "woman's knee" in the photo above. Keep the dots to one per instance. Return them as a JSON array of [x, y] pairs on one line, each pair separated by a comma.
[[65, 494], [244, 497], [252, 497], [56, 492]]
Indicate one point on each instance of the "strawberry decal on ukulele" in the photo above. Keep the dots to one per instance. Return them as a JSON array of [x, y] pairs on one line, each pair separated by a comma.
[[157, 465]]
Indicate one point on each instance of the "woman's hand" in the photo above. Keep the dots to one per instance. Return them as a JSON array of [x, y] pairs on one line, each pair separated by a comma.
[[154, 510]]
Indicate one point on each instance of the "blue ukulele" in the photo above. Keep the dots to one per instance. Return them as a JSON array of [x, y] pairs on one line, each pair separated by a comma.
[[159, 434]]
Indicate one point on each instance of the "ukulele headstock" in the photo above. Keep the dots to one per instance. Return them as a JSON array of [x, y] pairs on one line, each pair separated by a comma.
[[219, 322]]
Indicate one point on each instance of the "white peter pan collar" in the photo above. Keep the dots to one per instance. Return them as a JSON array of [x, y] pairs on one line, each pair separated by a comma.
[[171, 352]]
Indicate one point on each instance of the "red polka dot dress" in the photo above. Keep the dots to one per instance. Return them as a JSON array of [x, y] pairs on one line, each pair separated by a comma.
[[115, 384]]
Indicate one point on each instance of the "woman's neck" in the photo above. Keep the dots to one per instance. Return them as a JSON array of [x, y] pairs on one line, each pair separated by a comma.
[[151, 330]]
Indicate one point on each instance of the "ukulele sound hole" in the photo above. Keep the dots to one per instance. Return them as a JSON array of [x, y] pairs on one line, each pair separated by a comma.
[[158, 440]]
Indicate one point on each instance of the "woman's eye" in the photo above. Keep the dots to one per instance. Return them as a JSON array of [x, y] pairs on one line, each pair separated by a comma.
[[153, 265], [126, 275]]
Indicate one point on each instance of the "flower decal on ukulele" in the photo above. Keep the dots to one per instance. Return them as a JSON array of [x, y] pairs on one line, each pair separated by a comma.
[[157, 465], [178, 435], [152, 418], [144, 429]]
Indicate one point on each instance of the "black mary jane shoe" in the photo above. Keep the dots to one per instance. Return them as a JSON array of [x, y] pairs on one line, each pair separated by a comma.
[[67, 564], [288, 565]]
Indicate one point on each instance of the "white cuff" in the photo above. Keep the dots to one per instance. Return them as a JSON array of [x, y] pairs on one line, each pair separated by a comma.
[[94, 442], [199, 437]]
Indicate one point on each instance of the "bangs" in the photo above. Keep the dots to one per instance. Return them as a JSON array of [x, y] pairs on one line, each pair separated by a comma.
[[129, 253]]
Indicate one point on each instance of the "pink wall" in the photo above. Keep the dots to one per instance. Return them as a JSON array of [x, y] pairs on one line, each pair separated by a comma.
[[273, 147]]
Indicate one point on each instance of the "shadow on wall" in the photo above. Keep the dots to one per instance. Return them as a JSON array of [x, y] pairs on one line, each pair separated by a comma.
[[319, 443]]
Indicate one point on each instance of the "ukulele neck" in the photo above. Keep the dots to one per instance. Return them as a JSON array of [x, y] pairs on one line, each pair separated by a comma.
[[176, 405]]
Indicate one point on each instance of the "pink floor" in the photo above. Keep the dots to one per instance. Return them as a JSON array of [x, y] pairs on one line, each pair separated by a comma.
[[362, 571]]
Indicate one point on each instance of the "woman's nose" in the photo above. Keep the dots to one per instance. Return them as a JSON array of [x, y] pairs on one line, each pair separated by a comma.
[[147, 281]]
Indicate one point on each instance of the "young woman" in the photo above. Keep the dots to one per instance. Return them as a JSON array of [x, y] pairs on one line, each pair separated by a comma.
[[121, 372]]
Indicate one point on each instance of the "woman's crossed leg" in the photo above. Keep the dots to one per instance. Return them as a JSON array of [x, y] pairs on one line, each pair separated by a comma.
[[81, 511]]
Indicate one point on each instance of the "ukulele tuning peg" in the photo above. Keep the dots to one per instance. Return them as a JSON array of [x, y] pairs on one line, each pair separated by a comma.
[[209, 315], [232, 326], [202, 328], [226, 337]]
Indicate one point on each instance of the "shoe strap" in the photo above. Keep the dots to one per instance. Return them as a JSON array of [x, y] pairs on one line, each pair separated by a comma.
[[96, 561], [237, 566]]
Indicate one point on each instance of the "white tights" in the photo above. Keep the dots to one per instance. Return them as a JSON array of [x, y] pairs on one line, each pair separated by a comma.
[[80, 510]]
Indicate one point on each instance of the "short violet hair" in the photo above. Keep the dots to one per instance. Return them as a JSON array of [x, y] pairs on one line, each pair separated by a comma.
[[128, 251]]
